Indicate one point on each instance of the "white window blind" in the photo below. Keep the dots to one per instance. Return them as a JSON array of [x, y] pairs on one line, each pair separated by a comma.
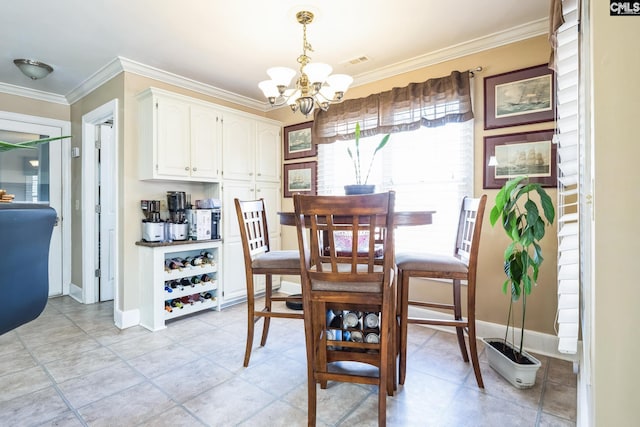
[[568, 179], [428, 168]]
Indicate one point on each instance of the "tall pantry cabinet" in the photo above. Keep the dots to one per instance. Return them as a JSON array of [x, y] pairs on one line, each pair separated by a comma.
[[251, 170]]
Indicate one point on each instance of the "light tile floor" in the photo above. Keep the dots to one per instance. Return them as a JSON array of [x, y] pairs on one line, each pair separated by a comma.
[[73, 367]]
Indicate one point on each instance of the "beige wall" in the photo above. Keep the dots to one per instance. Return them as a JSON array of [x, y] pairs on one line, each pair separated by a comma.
[[33, 107], [492, 303], [615, 103]]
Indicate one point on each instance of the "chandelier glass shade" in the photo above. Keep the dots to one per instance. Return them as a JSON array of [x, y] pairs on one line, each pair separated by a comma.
[[315, 86]]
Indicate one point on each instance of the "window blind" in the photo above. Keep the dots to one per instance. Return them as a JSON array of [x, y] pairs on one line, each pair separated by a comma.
[[567, 137]]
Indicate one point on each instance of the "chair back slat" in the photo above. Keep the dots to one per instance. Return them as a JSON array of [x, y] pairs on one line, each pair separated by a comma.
[[468, 237], [252, 218]]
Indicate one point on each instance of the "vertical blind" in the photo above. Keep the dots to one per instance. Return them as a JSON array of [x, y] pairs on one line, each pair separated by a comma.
[[567, 137]]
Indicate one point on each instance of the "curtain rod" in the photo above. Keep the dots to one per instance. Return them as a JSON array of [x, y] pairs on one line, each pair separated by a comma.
[[475, 70]]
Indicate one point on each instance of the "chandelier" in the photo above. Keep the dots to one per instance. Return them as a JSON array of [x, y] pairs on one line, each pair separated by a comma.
[[314, 87]]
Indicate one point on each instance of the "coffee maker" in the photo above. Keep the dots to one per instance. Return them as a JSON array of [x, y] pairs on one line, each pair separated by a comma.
[[178, 225], [152, 225]]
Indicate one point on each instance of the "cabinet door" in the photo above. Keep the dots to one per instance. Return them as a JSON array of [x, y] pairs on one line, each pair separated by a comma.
[[272, 195], [268, 149], [243, 190], [234, 280], [238, 147], [205, 142], [173, 141]]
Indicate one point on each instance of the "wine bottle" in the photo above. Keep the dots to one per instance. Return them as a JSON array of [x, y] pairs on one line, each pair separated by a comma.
[[167, 307], [195, 261], [205, 278], [195, 280], [185, 300], [186, 282], [356, 336], [167, 288], [176, 303], [372, 338]]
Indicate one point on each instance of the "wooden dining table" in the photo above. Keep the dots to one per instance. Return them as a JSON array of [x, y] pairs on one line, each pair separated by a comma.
[[400, 218]]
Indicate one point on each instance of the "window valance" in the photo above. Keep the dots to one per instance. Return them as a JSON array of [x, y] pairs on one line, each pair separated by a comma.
[[432, 103]]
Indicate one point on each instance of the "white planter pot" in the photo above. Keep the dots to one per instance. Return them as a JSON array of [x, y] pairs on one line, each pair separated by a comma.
[[519, 375]]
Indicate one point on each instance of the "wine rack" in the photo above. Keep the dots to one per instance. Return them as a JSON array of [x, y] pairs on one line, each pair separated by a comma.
[[178, 279]]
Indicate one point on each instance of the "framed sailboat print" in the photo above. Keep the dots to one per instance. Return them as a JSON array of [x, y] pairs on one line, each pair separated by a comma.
[[519, 97]]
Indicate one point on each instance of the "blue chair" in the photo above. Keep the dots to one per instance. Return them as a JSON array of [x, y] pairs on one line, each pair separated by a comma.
[[25, 235]]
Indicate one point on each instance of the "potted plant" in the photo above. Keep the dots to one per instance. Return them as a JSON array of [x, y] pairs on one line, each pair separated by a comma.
[[361, 187], [524, 223]]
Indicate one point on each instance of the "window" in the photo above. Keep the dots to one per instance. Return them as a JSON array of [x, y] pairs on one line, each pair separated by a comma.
[[429, 168]]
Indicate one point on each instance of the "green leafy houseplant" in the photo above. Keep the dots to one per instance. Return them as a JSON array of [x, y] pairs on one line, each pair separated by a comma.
[[524, 223], [6, 146], [355, 158]]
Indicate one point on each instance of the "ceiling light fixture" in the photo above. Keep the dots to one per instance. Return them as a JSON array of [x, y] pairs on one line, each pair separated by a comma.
[[314, 86], [33, 69]]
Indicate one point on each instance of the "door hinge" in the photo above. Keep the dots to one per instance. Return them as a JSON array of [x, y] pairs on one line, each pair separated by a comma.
[[98, 145], [98, 208], [97, 272]]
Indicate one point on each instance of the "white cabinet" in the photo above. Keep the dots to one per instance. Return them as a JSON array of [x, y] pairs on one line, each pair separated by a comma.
[[179, 137], [251, 165], [167, 292]]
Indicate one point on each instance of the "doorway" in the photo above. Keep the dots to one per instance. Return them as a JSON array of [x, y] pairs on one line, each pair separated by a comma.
[[99, 196], [41, 176]]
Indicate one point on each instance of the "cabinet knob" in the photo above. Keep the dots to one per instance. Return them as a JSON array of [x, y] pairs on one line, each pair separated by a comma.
[[186, 168], [250, 173], [194, 169]]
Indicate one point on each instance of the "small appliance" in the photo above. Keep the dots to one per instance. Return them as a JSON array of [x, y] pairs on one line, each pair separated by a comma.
[[199, 223], [152, 226], [178, 225]]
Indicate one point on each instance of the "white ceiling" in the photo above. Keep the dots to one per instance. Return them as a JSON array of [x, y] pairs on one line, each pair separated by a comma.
[[228, 44]]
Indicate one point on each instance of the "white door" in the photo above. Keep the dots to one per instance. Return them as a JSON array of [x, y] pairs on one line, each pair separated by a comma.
[[35, 176], [106, 215]]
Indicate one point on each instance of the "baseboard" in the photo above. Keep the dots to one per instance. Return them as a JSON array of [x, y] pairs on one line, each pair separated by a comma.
[[75, 292], [126, 319], [536, 342]]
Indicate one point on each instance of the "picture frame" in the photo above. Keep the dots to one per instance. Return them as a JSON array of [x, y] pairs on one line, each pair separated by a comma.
[[519, 97], [300, 178], [525, 153], [297, 141]]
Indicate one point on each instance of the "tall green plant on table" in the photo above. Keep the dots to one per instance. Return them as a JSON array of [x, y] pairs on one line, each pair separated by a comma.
[[6, 146], [525, 226], [355, 158]]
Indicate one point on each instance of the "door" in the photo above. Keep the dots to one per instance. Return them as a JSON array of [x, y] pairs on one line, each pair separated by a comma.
[[205, 143], [35, 176], [238, 147], [106, 214]]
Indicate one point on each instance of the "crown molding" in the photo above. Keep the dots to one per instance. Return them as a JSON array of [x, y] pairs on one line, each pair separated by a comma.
[[120, 64], [512, 35], [32, 93]]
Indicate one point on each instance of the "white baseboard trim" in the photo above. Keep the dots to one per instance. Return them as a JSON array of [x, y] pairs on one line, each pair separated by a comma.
[[536, 342], [126, 319], [75, 292]]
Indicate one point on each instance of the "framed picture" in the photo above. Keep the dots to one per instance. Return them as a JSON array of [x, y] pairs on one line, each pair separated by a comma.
[[300, 178], [297, 141], [527, 153], [519, 97]]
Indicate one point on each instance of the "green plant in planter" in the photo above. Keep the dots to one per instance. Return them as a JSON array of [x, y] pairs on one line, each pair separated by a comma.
[[6, 146], [357, 164], [524, 224]]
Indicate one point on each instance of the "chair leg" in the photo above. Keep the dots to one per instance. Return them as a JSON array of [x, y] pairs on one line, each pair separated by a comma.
[[267, 304], [403, 280], [473, 343], [251, 319], [458, 316]]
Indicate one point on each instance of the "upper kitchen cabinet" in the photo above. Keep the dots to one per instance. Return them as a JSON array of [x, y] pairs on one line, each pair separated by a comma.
[[180, 137], [251, 149]]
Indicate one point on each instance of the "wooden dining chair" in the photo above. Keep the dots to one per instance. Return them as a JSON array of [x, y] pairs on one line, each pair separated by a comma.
[[348, 295], [260, 259], [457, 267]]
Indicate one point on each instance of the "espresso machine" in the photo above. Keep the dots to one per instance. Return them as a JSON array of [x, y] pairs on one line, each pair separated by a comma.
[[178, 224], [152, 225]]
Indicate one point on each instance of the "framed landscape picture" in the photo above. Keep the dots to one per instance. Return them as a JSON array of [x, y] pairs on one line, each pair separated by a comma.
[[526, 153], [519, 97], [300, 178], [297, 141]]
